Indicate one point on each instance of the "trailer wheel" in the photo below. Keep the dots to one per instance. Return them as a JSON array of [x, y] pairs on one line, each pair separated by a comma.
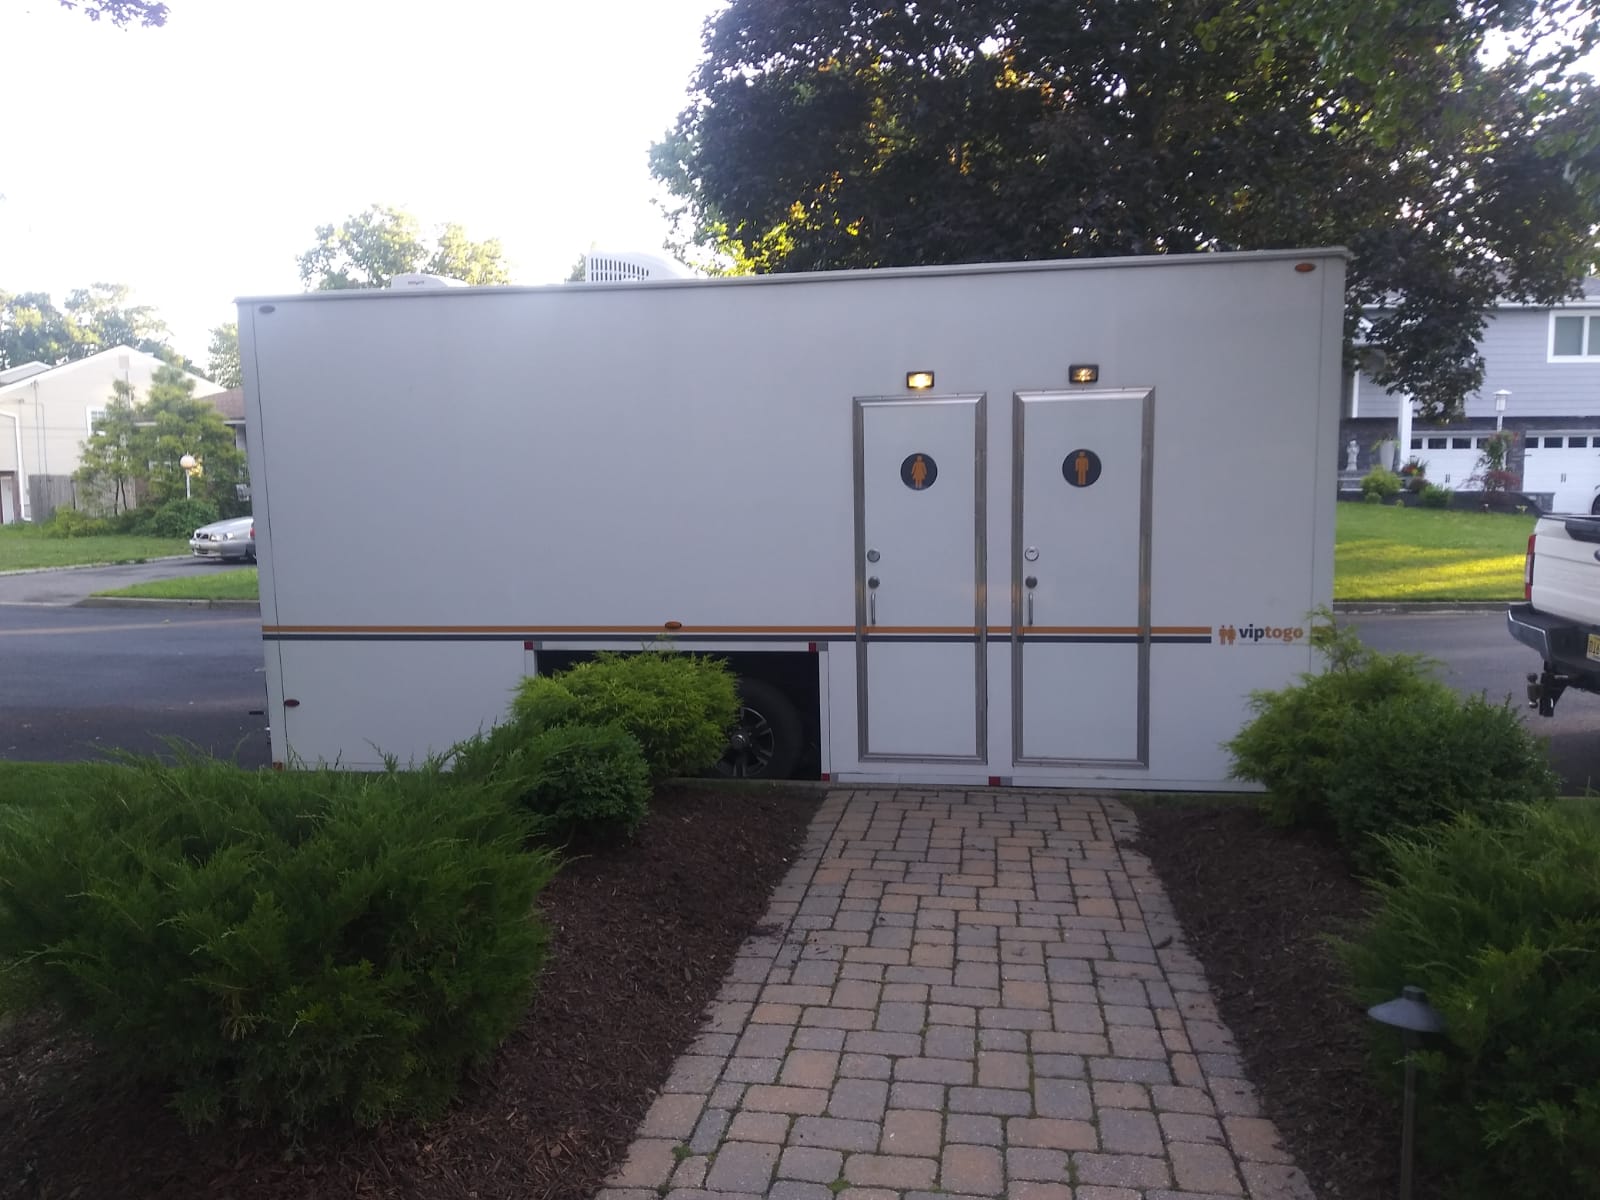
[[767, 741]]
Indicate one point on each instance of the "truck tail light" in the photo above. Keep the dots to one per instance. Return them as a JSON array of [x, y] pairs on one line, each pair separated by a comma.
[[1527, 570]]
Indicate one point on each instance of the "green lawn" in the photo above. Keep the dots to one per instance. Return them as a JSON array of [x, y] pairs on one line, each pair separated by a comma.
[[23, 546], [203, 584], [1393, 553], [25, 784]]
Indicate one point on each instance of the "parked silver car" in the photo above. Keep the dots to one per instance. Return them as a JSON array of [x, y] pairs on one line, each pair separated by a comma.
[[233, 538]]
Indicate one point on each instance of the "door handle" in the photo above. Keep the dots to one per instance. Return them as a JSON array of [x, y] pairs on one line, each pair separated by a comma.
[[1031, 582], [872, 601], [1030, 608]]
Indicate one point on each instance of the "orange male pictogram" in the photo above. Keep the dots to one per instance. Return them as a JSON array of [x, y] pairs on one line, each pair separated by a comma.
[[1226, 635], [1080, 466]]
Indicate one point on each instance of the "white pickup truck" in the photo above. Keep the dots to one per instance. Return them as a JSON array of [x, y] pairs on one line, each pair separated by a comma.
[[1561, 614]]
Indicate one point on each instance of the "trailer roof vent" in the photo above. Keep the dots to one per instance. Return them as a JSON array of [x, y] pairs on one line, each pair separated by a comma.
[[418, 279], [603, 267]]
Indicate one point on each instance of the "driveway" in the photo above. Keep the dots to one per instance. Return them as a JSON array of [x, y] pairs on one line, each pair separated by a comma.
[[69, 585]]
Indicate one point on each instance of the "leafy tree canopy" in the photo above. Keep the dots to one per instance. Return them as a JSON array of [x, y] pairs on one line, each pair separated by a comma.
[[143, 441], [372, 247], [34, 329], [121, 12], [222, 361], [825, 134]]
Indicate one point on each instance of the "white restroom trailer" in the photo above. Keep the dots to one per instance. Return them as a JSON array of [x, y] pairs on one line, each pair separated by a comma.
[[1037, 524]]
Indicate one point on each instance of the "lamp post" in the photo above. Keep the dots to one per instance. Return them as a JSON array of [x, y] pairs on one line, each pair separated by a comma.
[[1500, 399], [1412, 1015], [187, 463]]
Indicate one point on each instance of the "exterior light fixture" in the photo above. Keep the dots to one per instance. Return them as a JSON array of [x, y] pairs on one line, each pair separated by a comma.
[[1084, 372], [1500, 399], [919, 381], [1413, 1016]]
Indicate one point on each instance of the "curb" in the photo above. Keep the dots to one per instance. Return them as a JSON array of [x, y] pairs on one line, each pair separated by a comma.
[[127, 562], [161, 602]]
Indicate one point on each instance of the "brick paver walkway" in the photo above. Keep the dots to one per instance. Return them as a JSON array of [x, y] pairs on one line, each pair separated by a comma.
[[962, 994]]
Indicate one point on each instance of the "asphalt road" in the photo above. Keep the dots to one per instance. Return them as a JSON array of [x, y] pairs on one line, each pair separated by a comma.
[[1476, 655], [78, 681], [70, 585], [74, 681]]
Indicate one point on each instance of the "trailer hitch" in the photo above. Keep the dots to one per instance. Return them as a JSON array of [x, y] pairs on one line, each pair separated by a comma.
[[1544, 689]]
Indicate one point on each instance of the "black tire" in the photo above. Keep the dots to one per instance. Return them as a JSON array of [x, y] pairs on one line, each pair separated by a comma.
[[1594, 509], [769, 739]]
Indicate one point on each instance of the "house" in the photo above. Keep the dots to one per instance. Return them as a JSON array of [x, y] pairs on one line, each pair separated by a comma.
[[1541, 382], [47, 412]]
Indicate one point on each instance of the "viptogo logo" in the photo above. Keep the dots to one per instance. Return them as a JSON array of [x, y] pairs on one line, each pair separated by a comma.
[[1228, 635]]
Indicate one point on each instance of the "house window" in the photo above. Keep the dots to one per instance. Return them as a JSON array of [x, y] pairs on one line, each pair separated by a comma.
[[1551, 443], [1577, 443], [1461, 443], [1416, 443], [1438, 443], [93, 418], [1574, 339]]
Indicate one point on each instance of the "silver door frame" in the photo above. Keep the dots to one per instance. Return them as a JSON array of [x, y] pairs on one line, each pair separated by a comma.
[[1146, 397], [979, 403]]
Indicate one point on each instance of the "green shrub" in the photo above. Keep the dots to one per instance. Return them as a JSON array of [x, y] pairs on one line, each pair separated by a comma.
[[1371, 498], [71, 523], [179, 518], [1381, 482], [1501, 926], [587, 784], [1434, 496], [1419, 759], [543, 702], [1296, 739], [284, 947], [679, 707]]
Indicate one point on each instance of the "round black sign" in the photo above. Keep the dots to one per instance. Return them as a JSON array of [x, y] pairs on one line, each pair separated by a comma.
[[1081, 468], [918, 472]]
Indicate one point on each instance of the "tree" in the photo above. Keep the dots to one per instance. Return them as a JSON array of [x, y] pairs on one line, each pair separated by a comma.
[[824, 134], [372, 247], [95, 318], [121, 12], [105, 318], [107, 462], [33, 329], [222, 362], [172, 423], [142, 443]]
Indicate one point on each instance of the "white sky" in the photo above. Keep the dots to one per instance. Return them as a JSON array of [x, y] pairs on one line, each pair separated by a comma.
[[193, 162]]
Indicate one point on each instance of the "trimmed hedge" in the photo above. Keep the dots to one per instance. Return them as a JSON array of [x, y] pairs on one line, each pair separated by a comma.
[[679, 707], [1374, 745], [281, 947], [1500, 924], [1411, 761], [1296, 740]]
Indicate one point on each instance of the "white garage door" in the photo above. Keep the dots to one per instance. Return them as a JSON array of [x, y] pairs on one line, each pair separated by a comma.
[[1449, 459], [1565, 464]]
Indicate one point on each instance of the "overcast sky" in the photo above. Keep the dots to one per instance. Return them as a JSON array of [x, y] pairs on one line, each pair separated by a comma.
[[193, 162]]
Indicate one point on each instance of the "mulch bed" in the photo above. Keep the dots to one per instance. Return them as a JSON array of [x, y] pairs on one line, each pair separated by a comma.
[[1254, 903], [642, 937]]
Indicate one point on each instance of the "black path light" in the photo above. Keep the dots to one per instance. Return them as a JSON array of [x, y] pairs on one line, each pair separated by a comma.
[[1413, 1016]]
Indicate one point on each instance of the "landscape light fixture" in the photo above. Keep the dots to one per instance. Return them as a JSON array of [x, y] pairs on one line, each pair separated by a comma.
[[1084, 372], [1413, 1016], [919, 381], [187, 462]]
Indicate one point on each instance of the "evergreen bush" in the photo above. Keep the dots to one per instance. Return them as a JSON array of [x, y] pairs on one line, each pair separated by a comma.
[[285, 947], [1500, 924]]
